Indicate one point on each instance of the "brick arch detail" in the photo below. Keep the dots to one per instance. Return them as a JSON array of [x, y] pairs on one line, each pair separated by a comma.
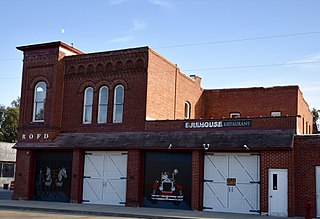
[[38, 79], [119, 82], [102, 83], [87, 84]]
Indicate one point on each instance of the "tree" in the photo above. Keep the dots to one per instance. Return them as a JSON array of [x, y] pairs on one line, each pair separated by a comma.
[[9, 121], [315, 113]]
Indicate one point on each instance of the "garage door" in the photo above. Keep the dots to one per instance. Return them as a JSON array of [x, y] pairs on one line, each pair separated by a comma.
[[231, 183], [105, 175]]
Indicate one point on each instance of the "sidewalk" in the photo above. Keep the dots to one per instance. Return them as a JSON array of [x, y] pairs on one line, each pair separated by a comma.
[[117, 211]]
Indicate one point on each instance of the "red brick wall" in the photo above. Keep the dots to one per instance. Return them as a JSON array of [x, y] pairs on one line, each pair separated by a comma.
[[307, 157], [127, 67], [42, 63], [250, 101], [169, 89], [134, 178], [188, 89], [162, 77], [197, 180], [77, 176], [24, 176], [34, 71], [305, 123], [276, 160]]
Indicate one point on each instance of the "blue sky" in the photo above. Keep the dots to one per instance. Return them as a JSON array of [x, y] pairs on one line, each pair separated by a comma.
[[228, 43]]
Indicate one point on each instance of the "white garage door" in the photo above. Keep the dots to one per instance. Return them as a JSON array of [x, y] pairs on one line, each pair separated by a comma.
[[104, 180], [232, 183]]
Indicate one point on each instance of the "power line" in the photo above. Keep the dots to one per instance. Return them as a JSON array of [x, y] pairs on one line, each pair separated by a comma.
[[252, 66], [238, 40], [226, 67], [222, 41]]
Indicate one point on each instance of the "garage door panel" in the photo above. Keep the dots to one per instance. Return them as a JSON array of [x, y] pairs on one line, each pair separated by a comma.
[[216, 168], [117, 165], [238, 190], [244, 168], [94, 165], [214, 196], [114, 194], [105, 178], [244, 198], [92, 190]]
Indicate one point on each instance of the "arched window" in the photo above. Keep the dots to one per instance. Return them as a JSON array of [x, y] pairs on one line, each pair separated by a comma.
[[39, 102], [103, 104], [118, 104], [87, 108], [187, 110]]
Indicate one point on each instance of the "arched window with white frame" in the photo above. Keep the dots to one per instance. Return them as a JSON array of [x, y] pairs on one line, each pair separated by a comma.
[[103, 104], [40, 93], [118, 104], [187, 110], [87, 107]]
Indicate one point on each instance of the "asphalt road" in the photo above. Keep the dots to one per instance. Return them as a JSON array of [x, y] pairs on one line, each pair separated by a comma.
[[7, 214], [5, 194]]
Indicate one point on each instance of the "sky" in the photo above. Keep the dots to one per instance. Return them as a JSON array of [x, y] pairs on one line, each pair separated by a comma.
[[228, 43]]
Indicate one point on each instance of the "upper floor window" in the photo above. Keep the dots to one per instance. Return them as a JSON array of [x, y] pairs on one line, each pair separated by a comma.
[[118, 104], [87, 108], [275, 114], [187, 110], [103, 104], [234, 115], [39, 102]]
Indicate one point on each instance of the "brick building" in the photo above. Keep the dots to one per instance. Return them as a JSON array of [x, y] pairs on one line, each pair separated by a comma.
[[128, 128]]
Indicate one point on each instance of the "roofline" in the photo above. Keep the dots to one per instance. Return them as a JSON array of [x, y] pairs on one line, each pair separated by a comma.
[[284, 87], [50, 44]]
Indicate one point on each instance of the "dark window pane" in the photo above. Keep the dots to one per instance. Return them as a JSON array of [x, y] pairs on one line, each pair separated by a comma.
[[8, 170], [275, 181]]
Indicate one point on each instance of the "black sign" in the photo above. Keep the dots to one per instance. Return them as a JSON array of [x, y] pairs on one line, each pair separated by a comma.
[[217, 124]]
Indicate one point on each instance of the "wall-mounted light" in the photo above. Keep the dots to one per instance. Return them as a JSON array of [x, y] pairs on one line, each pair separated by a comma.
[[206, 146]]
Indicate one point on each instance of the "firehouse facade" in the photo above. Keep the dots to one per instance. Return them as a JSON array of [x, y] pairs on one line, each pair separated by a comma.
[[128, 128]]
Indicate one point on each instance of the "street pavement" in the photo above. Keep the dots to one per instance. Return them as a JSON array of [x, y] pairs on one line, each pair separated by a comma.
[[13, 214], [5, 194], [92, 211]]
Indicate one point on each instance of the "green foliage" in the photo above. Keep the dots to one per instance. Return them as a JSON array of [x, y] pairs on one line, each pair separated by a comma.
[[9, 121], [315, 113]]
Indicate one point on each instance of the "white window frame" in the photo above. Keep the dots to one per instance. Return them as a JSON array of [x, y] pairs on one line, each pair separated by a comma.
[[103, 104], [187, 110], [117, 105], [85, 105], [275, 114], [235, 115], [36, 102]]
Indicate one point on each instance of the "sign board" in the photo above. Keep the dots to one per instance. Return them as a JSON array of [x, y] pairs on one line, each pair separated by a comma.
[[231, 181], [218, 124]]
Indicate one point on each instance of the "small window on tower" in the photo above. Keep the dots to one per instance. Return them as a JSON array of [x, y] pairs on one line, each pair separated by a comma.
[[234, 115], [275, 114], [187, 109], [39, 102]]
